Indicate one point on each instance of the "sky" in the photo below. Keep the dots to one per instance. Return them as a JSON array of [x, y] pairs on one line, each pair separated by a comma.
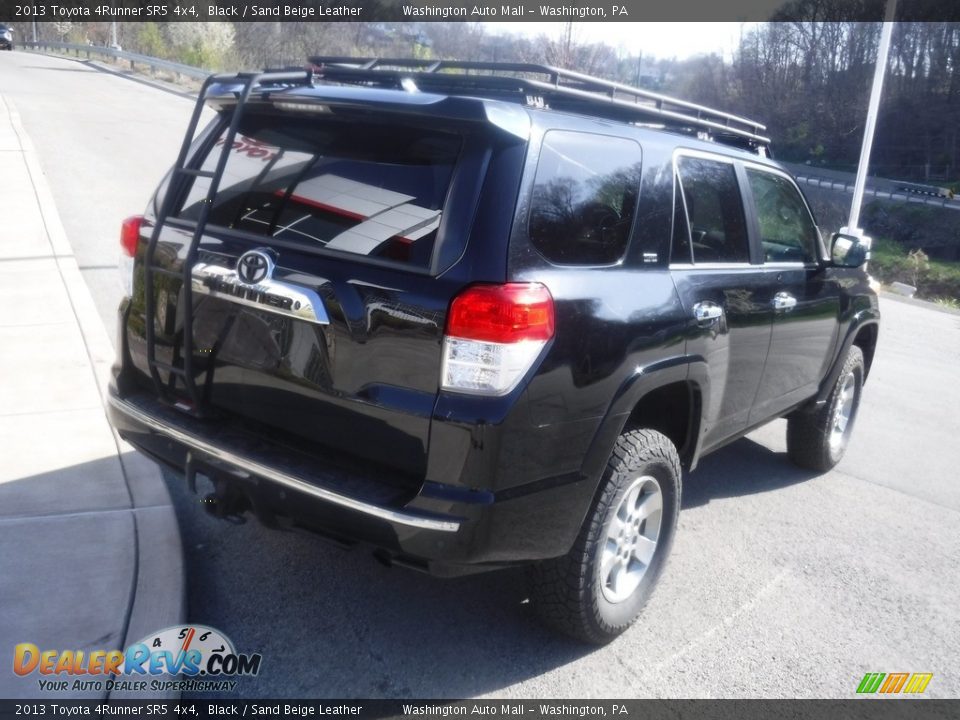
[[661, 40]]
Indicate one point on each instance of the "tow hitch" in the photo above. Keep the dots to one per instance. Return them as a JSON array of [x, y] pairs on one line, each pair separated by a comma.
[[224, 502]]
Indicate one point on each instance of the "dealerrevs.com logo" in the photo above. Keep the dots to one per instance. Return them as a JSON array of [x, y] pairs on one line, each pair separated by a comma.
[[204, 657]]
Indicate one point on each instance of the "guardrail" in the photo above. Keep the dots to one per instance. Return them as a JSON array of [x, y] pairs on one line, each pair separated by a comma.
[[133, 58], [829, 184]]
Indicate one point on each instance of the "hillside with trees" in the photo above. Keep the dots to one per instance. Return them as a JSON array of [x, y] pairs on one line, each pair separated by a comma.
[[806, 77], [807, 81]]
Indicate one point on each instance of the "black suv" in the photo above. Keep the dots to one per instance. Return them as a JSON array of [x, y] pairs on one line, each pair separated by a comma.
[[475, 315]]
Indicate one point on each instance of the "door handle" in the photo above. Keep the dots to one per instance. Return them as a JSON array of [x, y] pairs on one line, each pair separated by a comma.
[[707, 312], [784, 301]]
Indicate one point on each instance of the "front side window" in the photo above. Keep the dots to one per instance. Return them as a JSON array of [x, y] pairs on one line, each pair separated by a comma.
[[787, 231], [714, 211], [362, 188], [584, 198]]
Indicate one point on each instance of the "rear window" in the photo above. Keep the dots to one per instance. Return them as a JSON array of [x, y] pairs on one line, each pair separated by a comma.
[[584, 198], [369, 189]]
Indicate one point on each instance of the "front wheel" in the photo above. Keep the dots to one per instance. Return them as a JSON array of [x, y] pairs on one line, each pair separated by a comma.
[[817, 440], [598, 589]]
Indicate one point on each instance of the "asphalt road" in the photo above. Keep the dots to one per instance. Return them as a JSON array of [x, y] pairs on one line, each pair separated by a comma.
[[780, 585]]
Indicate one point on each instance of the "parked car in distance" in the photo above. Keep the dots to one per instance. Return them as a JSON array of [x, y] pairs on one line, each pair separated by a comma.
[[475, 315], [6, 37]]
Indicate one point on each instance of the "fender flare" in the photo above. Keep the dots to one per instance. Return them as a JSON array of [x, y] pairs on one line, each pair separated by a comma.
[[643, 380], [862, 319]]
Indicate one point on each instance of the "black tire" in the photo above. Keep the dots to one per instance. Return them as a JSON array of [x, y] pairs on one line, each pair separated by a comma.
[[568, 592], [811, 441]]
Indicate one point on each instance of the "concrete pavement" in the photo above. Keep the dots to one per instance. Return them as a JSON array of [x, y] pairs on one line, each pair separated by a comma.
[[104, 142], [91, 555]]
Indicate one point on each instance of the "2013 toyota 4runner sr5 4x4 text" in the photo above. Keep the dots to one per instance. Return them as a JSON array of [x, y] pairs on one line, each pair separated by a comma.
[[478, 315]]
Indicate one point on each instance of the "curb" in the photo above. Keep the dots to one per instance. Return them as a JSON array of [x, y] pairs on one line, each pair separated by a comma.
[[917, 302], [159, 596]]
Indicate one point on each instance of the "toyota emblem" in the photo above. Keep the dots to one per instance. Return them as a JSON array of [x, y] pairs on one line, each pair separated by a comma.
[[254, 266]]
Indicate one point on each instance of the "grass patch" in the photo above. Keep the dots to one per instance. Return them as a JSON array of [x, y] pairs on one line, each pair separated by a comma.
[[934, 279]]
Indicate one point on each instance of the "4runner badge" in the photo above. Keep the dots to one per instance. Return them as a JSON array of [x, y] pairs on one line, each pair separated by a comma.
[[252, 284]]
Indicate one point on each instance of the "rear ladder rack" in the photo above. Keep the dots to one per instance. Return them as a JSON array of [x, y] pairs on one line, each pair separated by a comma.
[[182, 366]]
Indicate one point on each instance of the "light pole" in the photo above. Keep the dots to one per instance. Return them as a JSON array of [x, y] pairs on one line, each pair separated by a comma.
[[853, 223]]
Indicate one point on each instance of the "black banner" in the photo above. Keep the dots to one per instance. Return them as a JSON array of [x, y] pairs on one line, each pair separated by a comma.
[[457, 10], [867, 709]]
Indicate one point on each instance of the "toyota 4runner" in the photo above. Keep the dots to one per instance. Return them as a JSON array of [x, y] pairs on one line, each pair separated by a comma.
[[475, 315]]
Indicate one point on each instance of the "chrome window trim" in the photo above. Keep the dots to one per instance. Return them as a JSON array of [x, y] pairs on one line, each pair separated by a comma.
[[703, 155], [790, 265], [744, 266], [401, 517], [715, 266]]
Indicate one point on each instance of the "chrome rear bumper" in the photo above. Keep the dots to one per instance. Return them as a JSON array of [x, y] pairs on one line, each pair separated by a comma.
[[133, 412]]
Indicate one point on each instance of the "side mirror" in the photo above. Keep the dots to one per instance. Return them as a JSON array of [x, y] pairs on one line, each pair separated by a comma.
[[849, 251]]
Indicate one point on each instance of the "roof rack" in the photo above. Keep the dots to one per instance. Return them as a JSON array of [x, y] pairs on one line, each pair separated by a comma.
[[547, 87]]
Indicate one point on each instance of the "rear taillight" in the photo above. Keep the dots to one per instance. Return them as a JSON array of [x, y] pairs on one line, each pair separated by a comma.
[[494, 334], [129, 239], [130, 235]]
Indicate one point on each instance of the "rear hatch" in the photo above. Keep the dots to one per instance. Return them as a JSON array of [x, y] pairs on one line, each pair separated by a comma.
[[327, 265]]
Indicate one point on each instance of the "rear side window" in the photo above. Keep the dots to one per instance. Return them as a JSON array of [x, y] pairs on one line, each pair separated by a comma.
[[714, 211], [787, 231], [584, 198], [367, 189]]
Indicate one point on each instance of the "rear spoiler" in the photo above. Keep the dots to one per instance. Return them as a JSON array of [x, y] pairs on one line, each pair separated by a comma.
[[321, 99]]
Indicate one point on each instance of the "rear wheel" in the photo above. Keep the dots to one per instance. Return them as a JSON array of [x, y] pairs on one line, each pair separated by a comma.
[[817, 440], [598, 589]]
